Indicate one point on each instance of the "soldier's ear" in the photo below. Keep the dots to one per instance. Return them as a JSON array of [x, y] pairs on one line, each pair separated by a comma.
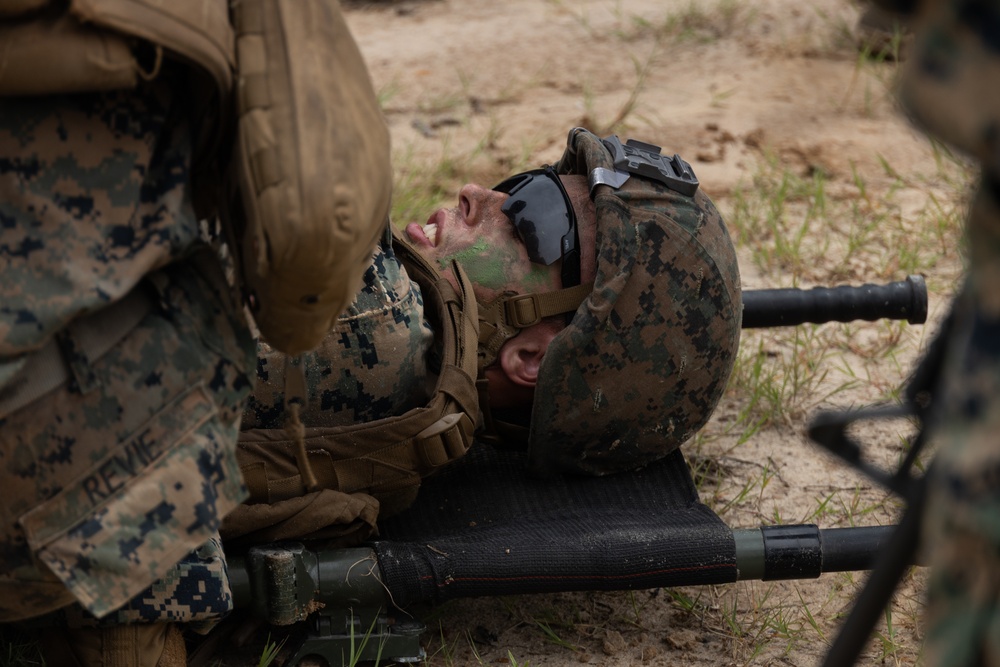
[[521, 356]]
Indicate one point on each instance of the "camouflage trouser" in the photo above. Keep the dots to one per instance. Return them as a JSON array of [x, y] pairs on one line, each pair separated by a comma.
[[962, 522]]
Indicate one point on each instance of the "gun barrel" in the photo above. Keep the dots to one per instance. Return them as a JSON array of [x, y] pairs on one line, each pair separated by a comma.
[[900, 300]]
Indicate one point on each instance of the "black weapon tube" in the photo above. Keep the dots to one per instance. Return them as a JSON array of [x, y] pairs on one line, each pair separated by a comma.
[[901, 300]]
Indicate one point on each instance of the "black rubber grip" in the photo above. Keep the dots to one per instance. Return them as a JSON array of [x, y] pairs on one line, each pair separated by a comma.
[[901, 300]]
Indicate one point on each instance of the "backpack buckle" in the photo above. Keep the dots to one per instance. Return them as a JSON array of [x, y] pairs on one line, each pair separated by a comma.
[[523, 310]]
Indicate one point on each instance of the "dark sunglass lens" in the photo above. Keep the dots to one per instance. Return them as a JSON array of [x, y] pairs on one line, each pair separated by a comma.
[[542, 214], [538, 210]]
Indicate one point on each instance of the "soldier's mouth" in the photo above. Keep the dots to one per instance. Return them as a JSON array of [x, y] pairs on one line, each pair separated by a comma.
[[430, 231], [428, 234], [434, 226], [425, 236]]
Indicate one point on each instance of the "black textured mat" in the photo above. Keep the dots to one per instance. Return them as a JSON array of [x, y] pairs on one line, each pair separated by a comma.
[[483, 527]]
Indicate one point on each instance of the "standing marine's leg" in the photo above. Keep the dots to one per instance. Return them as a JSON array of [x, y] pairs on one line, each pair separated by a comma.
[[962, 521]]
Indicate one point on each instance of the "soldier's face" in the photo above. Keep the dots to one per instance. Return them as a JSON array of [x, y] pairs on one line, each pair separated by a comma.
[[483, 240]]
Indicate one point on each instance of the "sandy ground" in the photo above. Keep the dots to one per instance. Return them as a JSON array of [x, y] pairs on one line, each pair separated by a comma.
[[739, 89]]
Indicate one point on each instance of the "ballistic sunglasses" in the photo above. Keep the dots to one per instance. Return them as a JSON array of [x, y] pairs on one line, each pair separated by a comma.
[[541, 212]]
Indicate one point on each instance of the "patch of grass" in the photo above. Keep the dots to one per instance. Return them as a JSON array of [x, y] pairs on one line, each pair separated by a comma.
[[358, 645], [270, 652], [761, 217], [419, 189], [422, 184], [619, 121], [514, 662], [553, 636], [888, 640], [680, 599], [698, 22], [810, 619], [18, 648], [782, 374], [799, 228]]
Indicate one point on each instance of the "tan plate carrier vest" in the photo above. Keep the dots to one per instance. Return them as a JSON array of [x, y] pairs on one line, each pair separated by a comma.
[[309, 175], [49, 47], [371, 470], [88, 47]]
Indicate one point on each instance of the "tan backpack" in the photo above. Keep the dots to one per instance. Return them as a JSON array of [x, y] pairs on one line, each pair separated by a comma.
[[366, 471], [310, 177], [311, 166]]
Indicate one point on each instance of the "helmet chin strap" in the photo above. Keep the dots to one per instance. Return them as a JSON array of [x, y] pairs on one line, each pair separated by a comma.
[[500, 320]]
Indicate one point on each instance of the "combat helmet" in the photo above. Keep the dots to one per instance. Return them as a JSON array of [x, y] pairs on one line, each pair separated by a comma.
[[645, 359]]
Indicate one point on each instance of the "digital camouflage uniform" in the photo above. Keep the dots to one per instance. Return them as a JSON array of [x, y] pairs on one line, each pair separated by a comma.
[[373, 364], [647, 355], [111, 478], [951, 86], [125, 359], [384, 373]]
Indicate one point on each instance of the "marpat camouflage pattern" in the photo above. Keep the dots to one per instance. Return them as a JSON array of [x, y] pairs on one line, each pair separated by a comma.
[[951, 86], [112, 478], [373, 364], [195, 592], [648, 354]]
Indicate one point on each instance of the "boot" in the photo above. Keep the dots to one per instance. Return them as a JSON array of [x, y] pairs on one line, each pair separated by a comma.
[[138, 645]]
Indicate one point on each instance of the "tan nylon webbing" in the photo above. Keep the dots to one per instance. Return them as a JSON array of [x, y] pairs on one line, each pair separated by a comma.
[[524, 310], [254, 92], [248, 17], [393, 456], [416, 455], [504, 317]]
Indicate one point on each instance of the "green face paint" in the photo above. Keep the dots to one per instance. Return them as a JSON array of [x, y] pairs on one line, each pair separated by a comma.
[[496, 267]]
